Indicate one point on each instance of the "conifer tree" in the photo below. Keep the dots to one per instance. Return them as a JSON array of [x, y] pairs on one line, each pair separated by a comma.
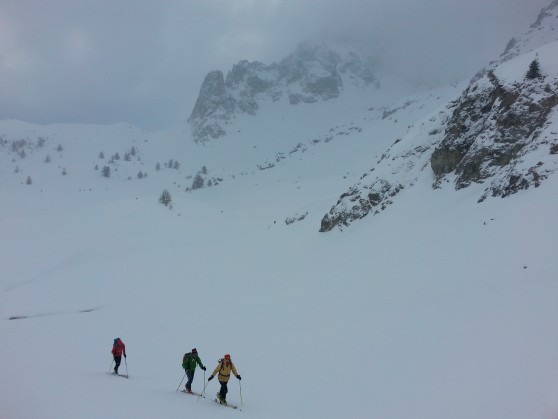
[[198, 182], [534, 70], [165, 198]]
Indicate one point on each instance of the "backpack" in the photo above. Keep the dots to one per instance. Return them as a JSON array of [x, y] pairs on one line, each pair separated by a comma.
[[186, 358], [222, 363]]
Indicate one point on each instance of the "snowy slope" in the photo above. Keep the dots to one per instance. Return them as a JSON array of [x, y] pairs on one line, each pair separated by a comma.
[[500, 132], [454, 319], [543, 31], [437, 308], [422, 316]]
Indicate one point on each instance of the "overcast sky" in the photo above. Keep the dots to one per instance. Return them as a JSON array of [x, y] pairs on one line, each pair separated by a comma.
[[143, 61]]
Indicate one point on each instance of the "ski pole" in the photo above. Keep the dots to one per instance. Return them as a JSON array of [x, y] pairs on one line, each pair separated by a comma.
[[126, 362], [181, 380], [203, 392], [204, 386], [110, 366], [240, 385]]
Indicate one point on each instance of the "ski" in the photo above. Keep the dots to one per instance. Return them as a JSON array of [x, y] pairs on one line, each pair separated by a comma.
[[193, 393], [119, 375], [232, 406]]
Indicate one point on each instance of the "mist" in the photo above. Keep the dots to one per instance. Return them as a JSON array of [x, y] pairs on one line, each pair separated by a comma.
[[142, 62]]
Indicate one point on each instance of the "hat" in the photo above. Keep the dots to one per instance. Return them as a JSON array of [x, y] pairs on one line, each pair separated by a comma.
[[227, 356], [194, 351]]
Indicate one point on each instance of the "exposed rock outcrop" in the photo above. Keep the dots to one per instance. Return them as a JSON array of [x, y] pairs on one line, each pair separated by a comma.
[[502, 133], [491, 128], [311, 74], [358, 202]]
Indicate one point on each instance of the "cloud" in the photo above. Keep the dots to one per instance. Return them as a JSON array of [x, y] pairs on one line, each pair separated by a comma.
[[140, 61]]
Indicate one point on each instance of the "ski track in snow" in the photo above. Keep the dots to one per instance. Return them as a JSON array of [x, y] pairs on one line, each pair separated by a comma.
[[48, 274]]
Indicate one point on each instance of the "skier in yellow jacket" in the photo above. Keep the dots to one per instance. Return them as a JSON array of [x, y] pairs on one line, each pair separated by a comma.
[[224, 369]]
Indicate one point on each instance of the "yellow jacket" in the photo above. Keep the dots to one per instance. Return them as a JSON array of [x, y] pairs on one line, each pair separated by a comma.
[[224, 371]]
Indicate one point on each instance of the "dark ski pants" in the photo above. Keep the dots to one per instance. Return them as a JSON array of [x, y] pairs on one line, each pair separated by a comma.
[[224, 390], [117, 360], [190, 375]]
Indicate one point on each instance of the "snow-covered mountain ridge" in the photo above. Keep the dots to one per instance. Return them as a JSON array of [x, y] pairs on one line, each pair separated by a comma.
[[278, 144], [501, 132], [543, 31], [311, 74]]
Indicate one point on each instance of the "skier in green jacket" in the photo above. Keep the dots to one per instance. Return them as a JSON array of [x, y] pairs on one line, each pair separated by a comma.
[[189, 364]]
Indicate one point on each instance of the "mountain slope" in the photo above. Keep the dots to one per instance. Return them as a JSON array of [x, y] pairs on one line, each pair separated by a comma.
[[543, 31], [439, 308], [501, 132], [418, 308]]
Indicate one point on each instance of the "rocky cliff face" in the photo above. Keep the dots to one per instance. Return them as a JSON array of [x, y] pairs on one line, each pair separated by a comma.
[[492, 129], [309, 75], [502, 133]]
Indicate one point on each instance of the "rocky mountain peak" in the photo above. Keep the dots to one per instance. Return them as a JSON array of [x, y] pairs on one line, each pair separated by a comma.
[[310, 74], [213, 90]]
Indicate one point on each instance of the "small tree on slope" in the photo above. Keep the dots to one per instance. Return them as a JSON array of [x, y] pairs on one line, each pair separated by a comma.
[[534, 70], [165, 198]]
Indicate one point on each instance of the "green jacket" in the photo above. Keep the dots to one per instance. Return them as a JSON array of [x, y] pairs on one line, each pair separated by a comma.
[[189, 364]]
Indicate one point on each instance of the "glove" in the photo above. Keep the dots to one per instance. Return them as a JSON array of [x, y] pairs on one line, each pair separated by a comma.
[[238, 376], [210, 378], [124, 355], [203, 368]]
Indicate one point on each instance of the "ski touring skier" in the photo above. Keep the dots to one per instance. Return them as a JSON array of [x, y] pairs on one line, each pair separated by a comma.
[[118, 349], [224, 368], [189, 362]]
